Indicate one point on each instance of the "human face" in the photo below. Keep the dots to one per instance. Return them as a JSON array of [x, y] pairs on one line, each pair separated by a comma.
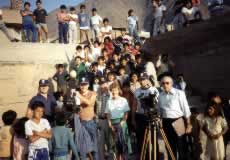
[[211, 111], [82, 9], [27, 7], [167, 83], [104, 87], [38, 113], [143, 82], [134, 78], [111, 77], [115, 92], [63, 10], [39, 5], [44, 89], [60, 70], [94, 13], [84, 88], [122, 72], [106, 23], [78, 61]]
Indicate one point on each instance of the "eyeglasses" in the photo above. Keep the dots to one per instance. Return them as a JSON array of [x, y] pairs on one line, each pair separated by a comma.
[[165, 83]]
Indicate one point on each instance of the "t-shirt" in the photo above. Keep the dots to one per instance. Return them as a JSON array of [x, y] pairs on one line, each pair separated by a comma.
[[74, 16], [28, 19], [40, 15], [132, 21], [96, 52], [95, 20], [31, 126], [107, 29], [117, 107], [189, 12], [84, 20], [159, 11]]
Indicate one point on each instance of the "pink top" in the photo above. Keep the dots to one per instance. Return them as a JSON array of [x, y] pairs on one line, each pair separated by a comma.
[[62, 17], [20, 149]]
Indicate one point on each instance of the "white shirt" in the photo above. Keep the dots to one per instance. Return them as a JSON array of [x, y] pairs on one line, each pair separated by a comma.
[[173, 104], [101, 68], [96, 52], [31, 126], [189, 12], [95, 20], [143, 93], [107, 29], [117, 107], [75, 16], [159, 11]]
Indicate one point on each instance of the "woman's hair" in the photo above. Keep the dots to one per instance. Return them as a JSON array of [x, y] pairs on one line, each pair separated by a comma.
[[19, 127], [213, 104], [115, 85]]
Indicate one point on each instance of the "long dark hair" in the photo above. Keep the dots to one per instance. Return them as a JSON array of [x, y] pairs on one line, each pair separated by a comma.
[[217, 108]]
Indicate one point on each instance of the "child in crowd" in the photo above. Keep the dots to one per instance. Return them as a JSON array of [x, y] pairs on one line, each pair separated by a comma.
[[63, 26], [84, 22], [88, 56], [136, 50], [6, 133], [73, 25], [106, 30], [215, 126], [80, 52], [79, 67], [96, 84], [20, 143], [101, 64], [123, 77], [96, 50], [38, 131], [62, 140], [95, 23], [108, 45], [60, 77], [117, 116], [133, 24], [125, 37]]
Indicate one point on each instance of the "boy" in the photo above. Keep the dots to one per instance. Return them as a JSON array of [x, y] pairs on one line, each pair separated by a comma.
[[106, 30], [28, 23], [133, 25], [40, 16], [95, 23], [84, 22], [8, 119], [62, 139], [73, 26], [37, 130], [79, 67], [63, 26], [60, 77]]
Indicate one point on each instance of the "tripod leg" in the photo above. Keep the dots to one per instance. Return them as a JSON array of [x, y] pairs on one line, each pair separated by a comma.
[[155, 143], [150, 144], [145, 143], [167, 144]]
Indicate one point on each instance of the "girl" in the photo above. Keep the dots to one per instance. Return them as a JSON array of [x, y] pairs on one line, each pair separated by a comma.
[[134, 84], [117, 113], [20, 143], [215, 126], [88, 56]]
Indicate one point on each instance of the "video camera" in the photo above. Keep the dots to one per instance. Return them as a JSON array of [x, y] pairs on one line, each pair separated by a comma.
[[149, 103]]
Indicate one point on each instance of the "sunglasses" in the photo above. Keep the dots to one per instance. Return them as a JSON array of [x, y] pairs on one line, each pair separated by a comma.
[[165, 83]]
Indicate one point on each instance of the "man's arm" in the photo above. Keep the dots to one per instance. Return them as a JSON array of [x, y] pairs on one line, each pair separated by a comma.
[[44, 134], [33, 138], [87, 101]]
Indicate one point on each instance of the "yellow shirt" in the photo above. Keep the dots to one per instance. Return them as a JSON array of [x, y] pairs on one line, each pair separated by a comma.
[[5, 141]]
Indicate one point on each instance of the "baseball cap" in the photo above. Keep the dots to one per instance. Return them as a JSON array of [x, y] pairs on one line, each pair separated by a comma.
[[43, 82], [144, 76], [84, 80]]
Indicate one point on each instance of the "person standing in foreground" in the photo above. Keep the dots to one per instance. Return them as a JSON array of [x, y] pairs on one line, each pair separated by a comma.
[[38, 131], [47, 99], [174, 109], [87, 101], [40, 16], [84, 22]]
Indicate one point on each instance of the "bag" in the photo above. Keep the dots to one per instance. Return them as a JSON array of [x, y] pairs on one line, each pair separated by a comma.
[[179, 126]]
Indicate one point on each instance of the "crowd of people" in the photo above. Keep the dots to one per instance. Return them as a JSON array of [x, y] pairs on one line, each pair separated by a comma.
[[101, 106]]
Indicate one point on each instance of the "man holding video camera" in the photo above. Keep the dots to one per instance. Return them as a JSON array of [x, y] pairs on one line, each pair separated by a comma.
[[175, 113], [144, 95]]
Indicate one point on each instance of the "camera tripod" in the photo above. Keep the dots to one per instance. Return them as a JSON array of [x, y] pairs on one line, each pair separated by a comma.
[[154, 125]]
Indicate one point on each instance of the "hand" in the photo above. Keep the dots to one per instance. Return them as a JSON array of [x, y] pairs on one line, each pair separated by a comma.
[[188, 129], [36, 133]]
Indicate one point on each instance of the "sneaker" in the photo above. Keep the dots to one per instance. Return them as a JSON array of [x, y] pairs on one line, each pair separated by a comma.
[[47, 41]]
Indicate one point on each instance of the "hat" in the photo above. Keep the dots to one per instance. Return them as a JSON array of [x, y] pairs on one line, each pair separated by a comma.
[[84, 80], [43, 82], [144, 76]]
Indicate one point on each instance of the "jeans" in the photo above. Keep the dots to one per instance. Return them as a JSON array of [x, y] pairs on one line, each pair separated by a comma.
[[91, 127], [133, 32], [39, 154], [63, 32], [28, 28], [158, 27]]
